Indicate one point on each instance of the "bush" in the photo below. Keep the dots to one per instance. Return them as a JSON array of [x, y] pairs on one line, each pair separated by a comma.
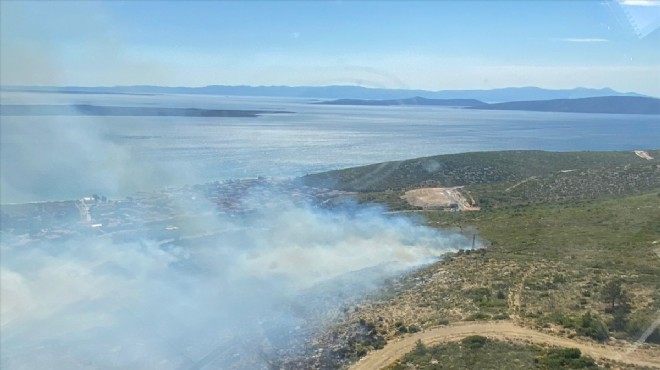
[[569, 353], [474, 341], [420, 348], [592, 327], [563, 320], [566, 358], [477, 316], [490, 303]]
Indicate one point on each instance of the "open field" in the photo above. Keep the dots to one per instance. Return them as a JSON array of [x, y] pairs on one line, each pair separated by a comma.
[[439, 198]]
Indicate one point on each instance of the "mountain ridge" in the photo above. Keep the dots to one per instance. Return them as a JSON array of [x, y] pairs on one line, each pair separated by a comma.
[[599, 104], [336, 92]]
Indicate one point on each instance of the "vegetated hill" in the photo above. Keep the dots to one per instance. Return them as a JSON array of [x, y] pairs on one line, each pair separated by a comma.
[[545, 266], [591, 183], [602, 104], [469, 169], [557, 233], [417, 100], [334, 92]]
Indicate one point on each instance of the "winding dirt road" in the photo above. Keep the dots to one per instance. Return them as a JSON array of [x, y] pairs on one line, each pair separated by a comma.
[[502, 330]]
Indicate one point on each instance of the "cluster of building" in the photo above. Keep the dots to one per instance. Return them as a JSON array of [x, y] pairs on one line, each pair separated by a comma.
[[159, 215]]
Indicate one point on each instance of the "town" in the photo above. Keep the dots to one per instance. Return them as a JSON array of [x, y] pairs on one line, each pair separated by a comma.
[[164, 216]]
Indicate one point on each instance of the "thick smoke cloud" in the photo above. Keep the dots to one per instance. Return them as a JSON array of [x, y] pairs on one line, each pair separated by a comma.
[[57, 157], [228, 290], [219, 302]]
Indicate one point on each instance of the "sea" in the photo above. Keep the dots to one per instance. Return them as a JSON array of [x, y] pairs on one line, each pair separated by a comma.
[[66, 157]]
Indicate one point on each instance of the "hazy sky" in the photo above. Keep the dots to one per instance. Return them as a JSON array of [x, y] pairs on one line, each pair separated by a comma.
[[431, 45]]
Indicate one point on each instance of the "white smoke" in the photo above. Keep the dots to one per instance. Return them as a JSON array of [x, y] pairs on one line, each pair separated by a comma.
[[58, 157], [90, 302]]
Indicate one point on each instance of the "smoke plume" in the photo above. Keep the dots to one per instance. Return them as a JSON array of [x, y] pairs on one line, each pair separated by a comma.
[[215, 301]]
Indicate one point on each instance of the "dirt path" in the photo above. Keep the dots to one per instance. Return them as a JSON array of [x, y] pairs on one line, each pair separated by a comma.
[[502, 330], [515, 296], [520, 183]]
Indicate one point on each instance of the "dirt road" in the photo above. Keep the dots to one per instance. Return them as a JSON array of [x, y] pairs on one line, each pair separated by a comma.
[[502, 330]]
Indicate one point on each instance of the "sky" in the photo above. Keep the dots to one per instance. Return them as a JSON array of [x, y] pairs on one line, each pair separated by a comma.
[[435, 45]]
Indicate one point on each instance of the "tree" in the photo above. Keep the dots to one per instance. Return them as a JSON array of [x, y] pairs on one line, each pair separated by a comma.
[[420, 348], [613, 294], [620, 319]]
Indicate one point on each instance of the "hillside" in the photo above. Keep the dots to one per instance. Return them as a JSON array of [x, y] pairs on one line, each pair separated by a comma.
[[469, 169], [557, 229], [603, 104]]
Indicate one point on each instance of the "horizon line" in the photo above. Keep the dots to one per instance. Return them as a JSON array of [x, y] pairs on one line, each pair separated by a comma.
[[320, 86]]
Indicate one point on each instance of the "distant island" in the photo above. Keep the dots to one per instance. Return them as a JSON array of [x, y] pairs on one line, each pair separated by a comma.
[[335, 92], [96, 110], [417, 100], [602, 104], [578, 100]]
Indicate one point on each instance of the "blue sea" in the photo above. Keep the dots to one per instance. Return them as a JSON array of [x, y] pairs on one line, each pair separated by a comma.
[[66, 157]]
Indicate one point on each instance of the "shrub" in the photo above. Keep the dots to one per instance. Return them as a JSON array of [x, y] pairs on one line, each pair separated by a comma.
[[474, 341], [565, 358], [420, 348], [478, 316], [592, 327]]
